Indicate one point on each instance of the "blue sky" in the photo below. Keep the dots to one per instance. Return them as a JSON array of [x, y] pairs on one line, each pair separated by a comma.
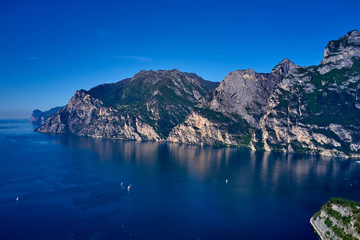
[[49, 49]]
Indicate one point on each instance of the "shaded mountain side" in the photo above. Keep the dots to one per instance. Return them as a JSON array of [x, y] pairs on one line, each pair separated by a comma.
[[156, 100], [38, 117], [317, 111], [313, 109], [230, 113]]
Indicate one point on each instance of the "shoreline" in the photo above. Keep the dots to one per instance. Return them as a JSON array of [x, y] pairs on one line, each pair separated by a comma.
[[317, 230]]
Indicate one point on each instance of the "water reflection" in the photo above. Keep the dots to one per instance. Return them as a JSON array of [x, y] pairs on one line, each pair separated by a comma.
[[277, 172], [178, 191]]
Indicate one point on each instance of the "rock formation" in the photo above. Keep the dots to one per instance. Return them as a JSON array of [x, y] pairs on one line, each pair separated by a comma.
[[145, 107], [313, 109], [38, 117]]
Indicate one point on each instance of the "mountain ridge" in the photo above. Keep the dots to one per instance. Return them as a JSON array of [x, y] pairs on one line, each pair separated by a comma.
[[144, 107], [311, 109]]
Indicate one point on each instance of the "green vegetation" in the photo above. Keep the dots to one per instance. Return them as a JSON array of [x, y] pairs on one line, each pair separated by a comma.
[[340, 233], [346, 221], [328, 104], [260, 144], [328, 222], [297, 146], [246, 140], [345, 203], [317, 214], [161, 99], [233, 123], [332, 102], [335, 44]]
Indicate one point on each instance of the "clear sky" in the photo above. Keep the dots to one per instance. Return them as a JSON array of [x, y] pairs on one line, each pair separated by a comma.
[[51, 48]]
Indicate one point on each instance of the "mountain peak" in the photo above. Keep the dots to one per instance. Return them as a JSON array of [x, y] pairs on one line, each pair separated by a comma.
[[340, 53], [284, 66], [285, 61], [353, 36], [351, 39], [158, 72]]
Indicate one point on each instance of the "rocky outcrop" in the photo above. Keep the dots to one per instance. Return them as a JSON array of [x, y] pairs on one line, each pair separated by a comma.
[[145, 107], [85, 116], [233, 109], [337, 219], [341, 53], [197, 129], [38, 117], [312, 109], [245, 92]]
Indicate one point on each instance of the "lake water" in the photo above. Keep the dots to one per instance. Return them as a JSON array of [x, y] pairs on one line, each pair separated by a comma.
[[70, 188]]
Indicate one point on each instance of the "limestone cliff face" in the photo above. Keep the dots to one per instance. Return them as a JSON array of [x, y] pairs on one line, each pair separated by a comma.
[[233, 109], [145, 107], [197, 129], [341, 53], [316, 109], [245, 92], [38, 117], [312, 109], [85, 116]]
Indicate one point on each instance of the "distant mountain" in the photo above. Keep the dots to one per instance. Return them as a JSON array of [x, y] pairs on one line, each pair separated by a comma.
[[38, 117], [145, 107], [313, 109]]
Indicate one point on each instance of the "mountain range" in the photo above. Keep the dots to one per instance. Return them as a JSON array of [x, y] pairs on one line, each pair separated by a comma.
[[314, 109]]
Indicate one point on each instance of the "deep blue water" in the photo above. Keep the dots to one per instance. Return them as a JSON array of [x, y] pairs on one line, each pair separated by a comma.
[[70, 188]]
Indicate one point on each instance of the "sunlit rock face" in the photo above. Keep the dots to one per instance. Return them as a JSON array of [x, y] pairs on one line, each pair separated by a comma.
[[313, 109], [341, 53], [38, 117], [245, 92], [145, 107], [316, 109], [292, 109]]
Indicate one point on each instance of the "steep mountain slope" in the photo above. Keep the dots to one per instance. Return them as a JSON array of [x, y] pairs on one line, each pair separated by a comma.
[[317, 109], [145, 107], [312, 109], [230, 113], [245, 92], [38, 117]]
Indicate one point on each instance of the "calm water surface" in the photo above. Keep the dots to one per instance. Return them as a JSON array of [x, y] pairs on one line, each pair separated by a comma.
[[70, 188]]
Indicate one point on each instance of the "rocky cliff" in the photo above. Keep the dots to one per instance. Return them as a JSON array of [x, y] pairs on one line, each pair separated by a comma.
[[292, 109], [313, 109], [316, 109], [38, 117], [145, 107], [231, 111]]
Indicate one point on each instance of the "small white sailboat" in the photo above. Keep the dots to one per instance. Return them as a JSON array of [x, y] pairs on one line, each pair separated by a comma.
[[17, 198], [128, 188]]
